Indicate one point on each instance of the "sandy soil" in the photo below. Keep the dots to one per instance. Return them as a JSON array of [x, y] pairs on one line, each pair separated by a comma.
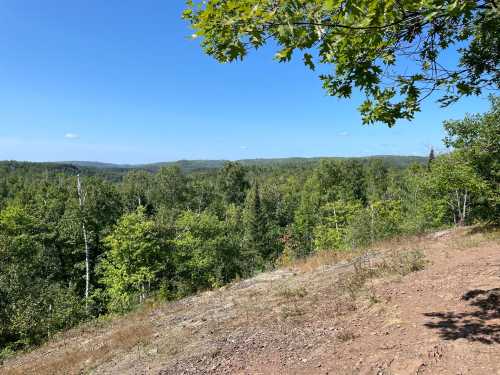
[[444, 319]]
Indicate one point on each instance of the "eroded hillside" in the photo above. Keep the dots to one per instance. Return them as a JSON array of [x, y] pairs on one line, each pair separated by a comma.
[[415, 306]]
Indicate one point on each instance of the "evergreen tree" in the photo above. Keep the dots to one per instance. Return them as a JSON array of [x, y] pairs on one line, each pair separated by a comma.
[[255, 229], [203, 229], [430, 159]]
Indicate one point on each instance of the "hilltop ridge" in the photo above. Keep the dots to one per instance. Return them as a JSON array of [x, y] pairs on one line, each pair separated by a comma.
[[395, 161]]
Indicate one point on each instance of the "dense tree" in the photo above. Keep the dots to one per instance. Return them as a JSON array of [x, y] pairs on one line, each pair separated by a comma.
[[364, 43], [376, 180], [134, 259], [205, 253], [170, 188], [167, 234], [331, 233], [306, 216], [136, 189], [478, 139], [35, 302], [341, 180], [203, 190], [454, 181], [233, 183], [256, 246], [376, 221], [100, 208]]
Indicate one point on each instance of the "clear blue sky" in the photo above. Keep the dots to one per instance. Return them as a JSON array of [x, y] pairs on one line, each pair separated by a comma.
[[121, 81]]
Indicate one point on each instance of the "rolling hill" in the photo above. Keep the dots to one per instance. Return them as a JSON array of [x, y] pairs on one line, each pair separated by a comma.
[[397, 161]]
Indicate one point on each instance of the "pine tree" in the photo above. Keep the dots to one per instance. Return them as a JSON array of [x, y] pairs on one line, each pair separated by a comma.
[[255, 229], [431, 158]]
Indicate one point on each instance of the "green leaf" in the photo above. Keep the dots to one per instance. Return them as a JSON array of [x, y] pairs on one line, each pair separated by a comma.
[[308, 61]]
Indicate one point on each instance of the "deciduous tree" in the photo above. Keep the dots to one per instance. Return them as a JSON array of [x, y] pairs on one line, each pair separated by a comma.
[[390, 50]]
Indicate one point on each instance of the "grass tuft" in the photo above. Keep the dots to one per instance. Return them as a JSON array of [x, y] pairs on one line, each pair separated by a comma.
[[396, 263]]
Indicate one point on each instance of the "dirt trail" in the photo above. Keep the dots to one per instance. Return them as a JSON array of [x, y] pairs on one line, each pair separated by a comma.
[[444, 319]]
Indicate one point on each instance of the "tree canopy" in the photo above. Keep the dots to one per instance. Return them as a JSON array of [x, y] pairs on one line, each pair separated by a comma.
[[169, 234], [362, 44]]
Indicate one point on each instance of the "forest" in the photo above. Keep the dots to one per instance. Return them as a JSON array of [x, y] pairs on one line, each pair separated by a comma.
[[77, 243]]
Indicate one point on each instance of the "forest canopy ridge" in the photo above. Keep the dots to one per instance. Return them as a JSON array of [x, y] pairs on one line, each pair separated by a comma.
[[399, 161]]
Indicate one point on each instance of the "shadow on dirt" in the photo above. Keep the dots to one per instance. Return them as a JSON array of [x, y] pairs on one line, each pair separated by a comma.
[[475, 325]]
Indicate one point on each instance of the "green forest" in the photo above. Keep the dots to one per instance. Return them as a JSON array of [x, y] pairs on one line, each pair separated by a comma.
[[78, 242]]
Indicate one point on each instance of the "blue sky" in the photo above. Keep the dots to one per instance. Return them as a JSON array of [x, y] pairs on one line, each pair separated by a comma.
[[120, 81]]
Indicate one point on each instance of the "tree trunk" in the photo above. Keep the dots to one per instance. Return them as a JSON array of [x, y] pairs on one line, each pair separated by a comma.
[[81, 199], [464, 210], [372, 223], [458, 208], [336, 223]]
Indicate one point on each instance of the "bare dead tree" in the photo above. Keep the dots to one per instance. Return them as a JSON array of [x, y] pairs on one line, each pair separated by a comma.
[[81, 199]]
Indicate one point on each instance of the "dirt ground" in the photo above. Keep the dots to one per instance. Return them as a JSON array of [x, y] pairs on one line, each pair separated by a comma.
[[444, 319]]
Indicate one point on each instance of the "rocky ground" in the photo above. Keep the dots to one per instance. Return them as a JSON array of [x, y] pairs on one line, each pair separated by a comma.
[[318, 317]]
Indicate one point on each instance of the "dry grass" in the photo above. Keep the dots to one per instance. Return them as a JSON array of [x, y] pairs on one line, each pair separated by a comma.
[[475, 239], [403, 263], [290, 293], [270, 303], [104, 341], [290, 300], [329, 257], [120, 338], [291, 311], [394, 263], [345, 335], [322, 258]]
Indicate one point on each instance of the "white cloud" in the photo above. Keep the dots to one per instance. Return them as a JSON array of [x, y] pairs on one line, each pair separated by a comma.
[[243, 147], [344, 134], [72, 136]]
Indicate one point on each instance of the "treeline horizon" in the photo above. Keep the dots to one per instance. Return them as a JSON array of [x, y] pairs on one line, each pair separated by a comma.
[[113, 170], [73, 248]]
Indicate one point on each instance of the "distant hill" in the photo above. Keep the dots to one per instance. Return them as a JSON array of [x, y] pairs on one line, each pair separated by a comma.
[[96, 164], [115, 172], [395, 161]]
